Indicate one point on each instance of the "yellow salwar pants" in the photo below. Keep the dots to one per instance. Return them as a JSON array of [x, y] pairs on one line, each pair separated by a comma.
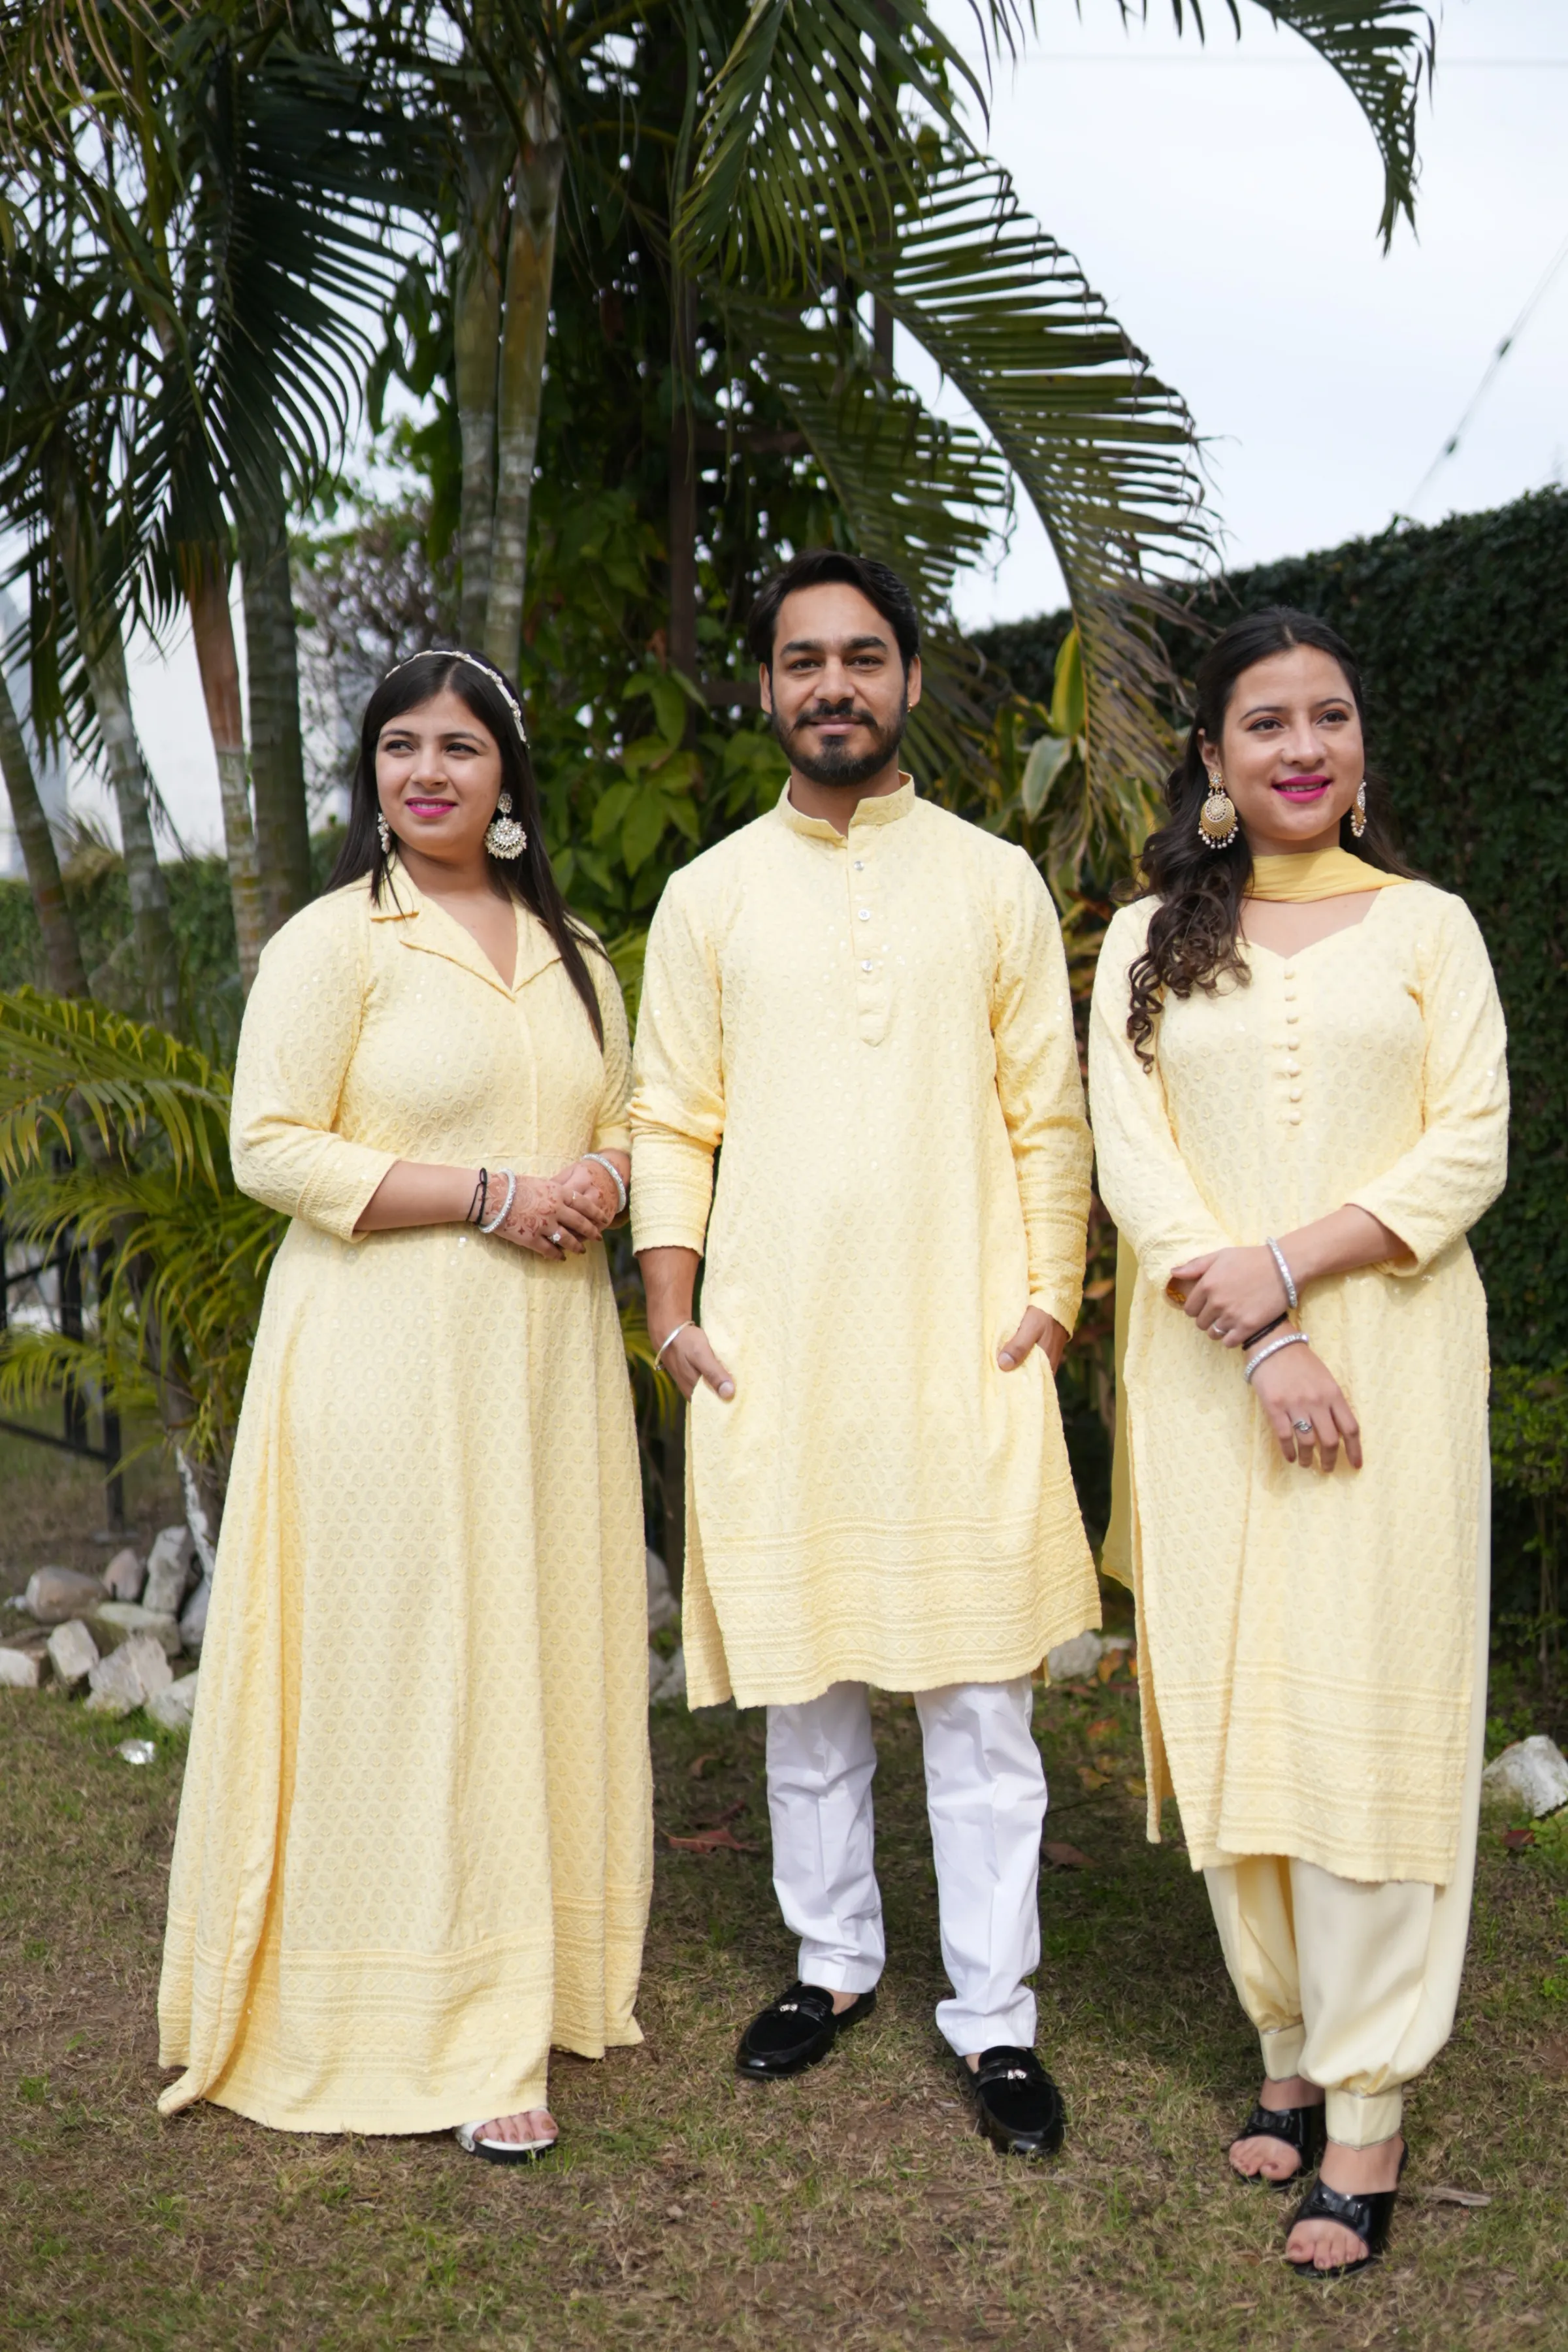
[[1354, 1985]]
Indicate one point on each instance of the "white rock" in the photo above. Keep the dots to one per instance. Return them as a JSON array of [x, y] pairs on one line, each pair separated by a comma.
[[129, 1676], [174, 1708], [73, 1653], [663, 1609], [20, 1670], [194, 1617], [137, 1751], [119, 1619], [169, 1564], [1532, 1773], [124, 1576], [1070, 1661], [55, 1593], [666, 1679]]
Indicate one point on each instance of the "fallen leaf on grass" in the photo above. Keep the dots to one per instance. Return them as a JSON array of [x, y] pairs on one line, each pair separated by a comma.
[[1517, 1840], [1136, 1788], [1066, 1857], [1106, 1723], [695, 1767], [1091, 1779], [1473, 2196], [718, 1841], [1107, 1666]]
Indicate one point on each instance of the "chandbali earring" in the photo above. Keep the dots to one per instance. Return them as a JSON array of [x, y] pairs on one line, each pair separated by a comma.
[[383, 833], [1358, 813], [1216, 818], [504, 837]]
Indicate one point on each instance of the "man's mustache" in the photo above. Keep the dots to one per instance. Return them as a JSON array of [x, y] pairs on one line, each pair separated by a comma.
[[821, 710]]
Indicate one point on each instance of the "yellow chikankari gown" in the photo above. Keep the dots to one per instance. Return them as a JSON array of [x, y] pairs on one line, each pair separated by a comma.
[[1308, 1654], [415, 1844]]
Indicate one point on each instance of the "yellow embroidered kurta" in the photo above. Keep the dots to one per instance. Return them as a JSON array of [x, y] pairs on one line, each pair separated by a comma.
[[1307, 1644], [415, 1843], [878, 1030]]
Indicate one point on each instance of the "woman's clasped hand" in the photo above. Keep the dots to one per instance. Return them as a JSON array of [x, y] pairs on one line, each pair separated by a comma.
[[558, 1216], [1237, 1296]]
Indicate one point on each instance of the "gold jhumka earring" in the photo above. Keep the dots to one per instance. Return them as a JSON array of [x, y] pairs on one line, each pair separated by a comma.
[[1358, 813], [1216, 819]]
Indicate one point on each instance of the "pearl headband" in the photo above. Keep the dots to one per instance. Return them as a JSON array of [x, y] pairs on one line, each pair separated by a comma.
[[455, 652]]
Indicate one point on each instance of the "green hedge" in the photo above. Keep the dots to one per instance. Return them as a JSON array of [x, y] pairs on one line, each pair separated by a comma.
[[1460, 631]]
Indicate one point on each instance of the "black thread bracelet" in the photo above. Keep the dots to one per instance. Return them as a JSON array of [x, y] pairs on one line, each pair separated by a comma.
[[481, 1201], [1263, 1334]]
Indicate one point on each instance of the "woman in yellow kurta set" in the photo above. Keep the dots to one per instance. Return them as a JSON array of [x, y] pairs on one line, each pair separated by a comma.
[[415, 1841], [1300, 1100]]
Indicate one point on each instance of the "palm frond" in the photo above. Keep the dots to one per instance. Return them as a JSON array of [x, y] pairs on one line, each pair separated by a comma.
[[1382, 50], [63, 1059]]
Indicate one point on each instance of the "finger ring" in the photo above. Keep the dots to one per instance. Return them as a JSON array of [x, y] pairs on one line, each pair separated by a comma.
[[556, 1237], [1305, 1427], [1218, 1329]]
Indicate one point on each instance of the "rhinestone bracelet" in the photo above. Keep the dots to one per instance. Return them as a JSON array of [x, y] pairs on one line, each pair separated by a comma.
[[1286, 1277], [505, 1211], [616, 1179], [1286, 1340]]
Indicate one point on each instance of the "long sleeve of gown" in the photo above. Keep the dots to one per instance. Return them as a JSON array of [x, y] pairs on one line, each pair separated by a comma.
[[1041, 1091], [1435, 1192], [677, 1087], [301, 1023], [1143, 1182], [612, 1131]]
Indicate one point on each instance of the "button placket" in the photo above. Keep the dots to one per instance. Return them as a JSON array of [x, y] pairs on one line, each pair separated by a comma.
[[1292, 1067], [870, 980]]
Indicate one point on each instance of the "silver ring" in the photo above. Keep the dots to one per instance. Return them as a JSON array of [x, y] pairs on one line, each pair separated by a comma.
[[556, 1239], [1305, 1427], [1217, 1330]]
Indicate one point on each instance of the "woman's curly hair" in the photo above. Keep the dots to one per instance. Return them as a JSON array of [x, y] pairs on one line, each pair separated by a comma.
[[1194, 930]]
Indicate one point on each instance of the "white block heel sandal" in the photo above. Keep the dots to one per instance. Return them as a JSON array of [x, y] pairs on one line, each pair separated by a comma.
[[469, 2137]]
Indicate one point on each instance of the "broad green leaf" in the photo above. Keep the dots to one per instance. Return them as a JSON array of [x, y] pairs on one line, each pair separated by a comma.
[[1068, 708], [644, 827], [1041, 769]]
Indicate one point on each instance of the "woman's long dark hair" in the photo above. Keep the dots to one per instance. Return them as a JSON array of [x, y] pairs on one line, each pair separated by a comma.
[[528, 877], [1194, 929]]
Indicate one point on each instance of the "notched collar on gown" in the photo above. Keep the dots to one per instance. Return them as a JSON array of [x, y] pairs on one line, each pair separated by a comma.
[[429, 928], [885, 809]]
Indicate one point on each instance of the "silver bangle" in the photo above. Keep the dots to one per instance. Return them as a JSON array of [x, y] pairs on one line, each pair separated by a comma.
[[616, 1178], [506, 1205], [1286, 1340], [668, 1337], [1286, 1277]]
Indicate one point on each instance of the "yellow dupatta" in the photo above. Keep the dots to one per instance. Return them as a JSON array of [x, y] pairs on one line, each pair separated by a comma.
[[1295, 881]]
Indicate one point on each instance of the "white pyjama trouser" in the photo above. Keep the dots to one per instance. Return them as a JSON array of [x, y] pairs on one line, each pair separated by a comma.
[[1354, 1985], [985, 1796]]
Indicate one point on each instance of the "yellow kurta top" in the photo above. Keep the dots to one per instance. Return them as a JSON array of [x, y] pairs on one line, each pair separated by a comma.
[[415, 1840], [878, 1030], [1307, 1642]]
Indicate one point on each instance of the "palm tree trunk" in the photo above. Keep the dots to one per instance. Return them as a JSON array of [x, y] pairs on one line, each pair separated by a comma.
[[62, 949], [103, 656], [477, 333], [531, 266], [204, 578], [272, 666]]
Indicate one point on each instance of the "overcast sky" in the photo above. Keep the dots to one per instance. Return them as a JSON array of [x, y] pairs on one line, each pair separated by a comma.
[[1225, 198]]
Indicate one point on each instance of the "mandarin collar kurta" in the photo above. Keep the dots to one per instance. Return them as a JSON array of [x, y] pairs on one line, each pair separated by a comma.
[[873, 1032], [1307, 1644]]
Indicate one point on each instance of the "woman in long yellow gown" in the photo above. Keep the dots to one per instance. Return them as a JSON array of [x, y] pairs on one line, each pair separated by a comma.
[[1298, 1089], [415, 1844]]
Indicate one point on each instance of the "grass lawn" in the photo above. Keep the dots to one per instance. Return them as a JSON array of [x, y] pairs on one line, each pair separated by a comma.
[[854, 2207]]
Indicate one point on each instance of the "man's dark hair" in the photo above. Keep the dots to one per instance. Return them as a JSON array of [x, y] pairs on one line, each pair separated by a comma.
[[878, 583]]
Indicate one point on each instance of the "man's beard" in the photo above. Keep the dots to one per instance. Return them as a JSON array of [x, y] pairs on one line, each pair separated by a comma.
[[834, 763]]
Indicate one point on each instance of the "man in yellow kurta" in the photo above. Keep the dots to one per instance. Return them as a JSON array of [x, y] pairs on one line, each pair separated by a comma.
[[864, 1000]]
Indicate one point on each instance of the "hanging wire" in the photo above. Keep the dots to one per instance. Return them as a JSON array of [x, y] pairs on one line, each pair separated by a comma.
[[1498, 357]]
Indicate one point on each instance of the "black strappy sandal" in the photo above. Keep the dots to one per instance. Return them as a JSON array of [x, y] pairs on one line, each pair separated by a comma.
[[1369, 2216], [1301, 2128]]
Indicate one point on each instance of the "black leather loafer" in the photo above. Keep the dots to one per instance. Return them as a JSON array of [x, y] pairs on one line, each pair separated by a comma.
[[796, 2032], [1020, 2108], [1300, 2129], [1368, 2216]]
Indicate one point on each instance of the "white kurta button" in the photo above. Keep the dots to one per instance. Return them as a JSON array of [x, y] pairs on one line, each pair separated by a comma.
[[1294, 1093], [859, 866], [1295, 1117], [865, 914], [1292, 1069], [865, 967]]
